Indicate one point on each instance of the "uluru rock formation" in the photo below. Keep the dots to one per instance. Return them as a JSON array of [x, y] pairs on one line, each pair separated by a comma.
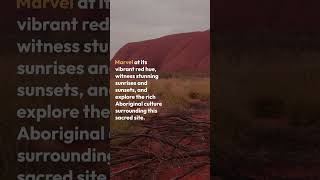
[[186, 52]]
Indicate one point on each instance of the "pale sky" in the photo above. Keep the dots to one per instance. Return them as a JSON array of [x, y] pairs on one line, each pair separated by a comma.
[[138, 20]]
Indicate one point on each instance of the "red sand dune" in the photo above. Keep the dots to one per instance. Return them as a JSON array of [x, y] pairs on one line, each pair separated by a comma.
[[187, 52]]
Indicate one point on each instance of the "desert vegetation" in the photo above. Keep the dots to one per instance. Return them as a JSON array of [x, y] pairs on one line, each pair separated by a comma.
[[173, 144]]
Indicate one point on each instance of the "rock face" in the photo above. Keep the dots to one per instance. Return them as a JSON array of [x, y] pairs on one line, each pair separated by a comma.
[[187, 52]]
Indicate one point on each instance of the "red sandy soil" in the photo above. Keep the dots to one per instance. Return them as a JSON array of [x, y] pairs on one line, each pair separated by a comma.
[[186, 52], [169, 170]]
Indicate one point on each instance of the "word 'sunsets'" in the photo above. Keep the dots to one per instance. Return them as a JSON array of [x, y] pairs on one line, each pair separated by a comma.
[[133, 99], [62, 74]]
